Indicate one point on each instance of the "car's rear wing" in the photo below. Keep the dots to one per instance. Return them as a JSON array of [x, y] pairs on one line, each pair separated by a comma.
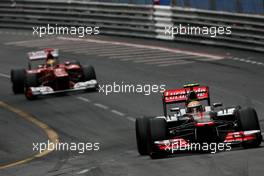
[[42, 54], [180, 95], [183, 95]]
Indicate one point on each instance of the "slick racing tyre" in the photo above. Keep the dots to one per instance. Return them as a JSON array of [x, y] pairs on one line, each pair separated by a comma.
[[18, 80], [31, 81], [88, 72], [157, 132], [248, 120], [141, 135]]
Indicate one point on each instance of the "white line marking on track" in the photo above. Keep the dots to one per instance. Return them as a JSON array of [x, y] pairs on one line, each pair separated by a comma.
[[101, 106], [247, 61], [4, 75], [106, 108], [117, 112], [85, 171], [84, 99], [131, 118]]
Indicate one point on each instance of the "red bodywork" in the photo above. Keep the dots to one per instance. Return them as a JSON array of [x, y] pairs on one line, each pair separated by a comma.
[[48, 75], [180, 95]]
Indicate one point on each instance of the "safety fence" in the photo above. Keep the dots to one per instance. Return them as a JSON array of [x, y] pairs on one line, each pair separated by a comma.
[[247, 31], [235, 6]]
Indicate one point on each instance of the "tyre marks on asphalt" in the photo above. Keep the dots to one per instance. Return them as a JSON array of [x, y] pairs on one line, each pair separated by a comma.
[[121, 51]]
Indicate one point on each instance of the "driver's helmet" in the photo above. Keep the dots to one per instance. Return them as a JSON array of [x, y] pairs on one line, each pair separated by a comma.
[[194, 107], [51, 61]]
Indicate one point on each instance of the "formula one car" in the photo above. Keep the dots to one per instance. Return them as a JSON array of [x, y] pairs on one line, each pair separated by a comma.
[[45, 75], [196, 122]]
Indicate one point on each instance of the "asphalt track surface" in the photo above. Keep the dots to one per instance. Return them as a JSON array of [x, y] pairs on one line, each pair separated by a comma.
[[235, 77]]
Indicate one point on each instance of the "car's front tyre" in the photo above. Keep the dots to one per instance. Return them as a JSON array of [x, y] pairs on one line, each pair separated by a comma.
[[157, 131], [88, 72], [142, 135], [31, 81], [18, 80], [248, 120]]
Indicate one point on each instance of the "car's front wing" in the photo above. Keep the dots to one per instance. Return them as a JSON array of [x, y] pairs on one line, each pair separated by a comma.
[[181, 144], [46, 90]]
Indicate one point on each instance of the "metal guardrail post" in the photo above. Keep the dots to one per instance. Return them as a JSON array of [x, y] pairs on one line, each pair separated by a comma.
[[238, 6]]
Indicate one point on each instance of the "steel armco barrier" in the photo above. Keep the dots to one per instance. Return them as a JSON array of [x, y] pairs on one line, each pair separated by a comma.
[[135, 20]]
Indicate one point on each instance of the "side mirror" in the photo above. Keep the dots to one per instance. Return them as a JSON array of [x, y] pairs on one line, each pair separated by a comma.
[[176, 109], [217, 104]]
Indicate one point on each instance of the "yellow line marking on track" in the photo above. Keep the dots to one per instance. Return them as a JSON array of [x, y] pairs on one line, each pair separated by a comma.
[[52, 135]]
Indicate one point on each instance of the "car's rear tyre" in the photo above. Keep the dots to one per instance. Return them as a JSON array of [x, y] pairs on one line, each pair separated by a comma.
[[88, 72], [248, 120], [18, 80], [142, 134], [31, 81], [157, 132]]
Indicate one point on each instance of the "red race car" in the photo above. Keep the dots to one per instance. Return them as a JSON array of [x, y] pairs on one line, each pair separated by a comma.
[[191, 123], [45, 75]]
